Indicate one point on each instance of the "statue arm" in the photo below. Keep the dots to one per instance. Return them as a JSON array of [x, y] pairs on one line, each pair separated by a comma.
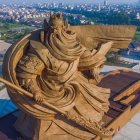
[[90, 59], [91, 64], [94, 58], [29, 67]]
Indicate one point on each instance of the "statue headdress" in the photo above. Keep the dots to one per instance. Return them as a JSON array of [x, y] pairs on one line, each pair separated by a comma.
[[56, 21]]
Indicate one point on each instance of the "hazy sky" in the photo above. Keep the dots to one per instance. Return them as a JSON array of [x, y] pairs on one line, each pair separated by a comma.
[[68, 1]]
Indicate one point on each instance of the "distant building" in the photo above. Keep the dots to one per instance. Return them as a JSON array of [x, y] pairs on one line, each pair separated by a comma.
[[138, 16], [99, 7], [105, 3]]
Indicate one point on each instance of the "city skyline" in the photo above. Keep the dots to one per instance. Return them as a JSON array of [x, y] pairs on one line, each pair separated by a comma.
[[66, 1]]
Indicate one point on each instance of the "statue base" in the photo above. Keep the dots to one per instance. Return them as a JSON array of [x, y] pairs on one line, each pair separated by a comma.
[[124, 104]]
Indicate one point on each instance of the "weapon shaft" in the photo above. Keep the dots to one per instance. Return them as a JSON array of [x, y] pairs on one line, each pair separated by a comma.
[[94, 128], [22, 91]]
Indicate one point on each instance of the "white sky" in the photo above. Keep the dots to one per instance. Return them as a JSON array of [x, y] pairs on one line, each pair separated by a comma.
[[69, 1]]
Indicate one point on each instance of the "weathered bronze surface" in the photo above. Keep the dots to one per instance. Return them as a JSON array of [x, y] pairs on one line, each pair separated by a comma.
[[62, 68]]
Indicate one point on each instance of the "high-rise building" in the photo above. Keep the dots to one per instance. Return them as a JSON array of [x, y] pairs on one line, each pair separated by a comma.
[[105, 3], [99, 7]]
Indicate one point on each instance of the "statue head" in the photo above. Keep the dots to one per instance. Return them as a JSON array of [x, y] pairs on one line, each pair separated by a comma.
[[56, 21]]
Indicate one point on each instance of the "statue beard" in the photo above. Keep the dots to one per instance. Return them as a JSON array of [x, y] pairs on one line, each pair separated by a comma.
[[63, 45]]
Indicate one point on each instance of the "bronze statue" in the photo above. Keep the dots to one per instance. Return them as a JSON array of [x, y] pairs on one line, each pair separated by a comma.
[[56, 68]]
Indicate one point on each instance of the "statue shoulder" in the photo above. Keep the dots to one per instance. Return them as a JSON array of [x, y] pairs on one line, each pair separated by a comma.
[[36, 45], [39, 48]]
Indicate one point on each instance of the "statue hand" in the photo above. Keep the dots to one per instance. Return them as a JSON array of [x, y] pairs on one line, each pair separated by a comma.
[[38, 98]]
